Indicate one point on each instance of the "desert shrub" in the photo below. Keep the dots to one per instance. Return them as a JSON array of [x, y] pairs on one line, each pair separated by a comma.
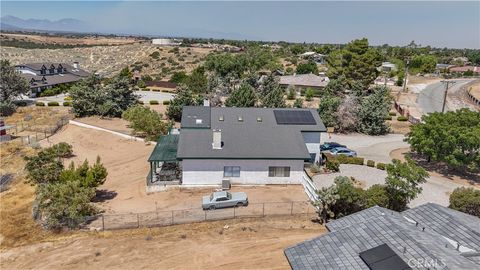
[[291, 93], [343, 159], [402, 118], [39, 104], [166, 102], [145, 122], [309, 94], [376, 195], [388, 117], [392, 113], [53, 103], [7, 108], [67, 104], [21, 103], [156, 90], [381, 166], [69, 98], [332, 165], [314, 168], [63, 150], [466, 200], [370, 163], [153, 102]]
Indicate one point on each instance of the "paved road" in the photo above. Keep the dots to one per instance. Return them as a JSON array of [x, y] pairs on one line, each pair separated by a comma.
[[430, 99]]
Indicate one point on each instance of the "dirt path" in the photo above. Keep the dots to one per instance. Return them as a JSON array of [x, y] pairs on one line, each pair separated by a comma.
[[237, 244]]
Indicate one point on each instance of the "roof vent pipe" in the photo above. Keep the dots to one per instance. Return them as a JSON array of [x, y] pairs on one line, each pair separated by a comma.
[[217, 139]]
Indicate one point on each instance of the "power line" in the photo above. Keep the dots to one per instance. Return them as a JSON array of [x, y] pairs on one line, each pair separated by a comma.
[[447, 85]]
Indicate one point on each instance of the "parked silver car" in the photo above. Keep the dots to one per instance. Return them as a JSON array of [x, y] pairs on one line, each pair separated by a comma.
[[222, 199]]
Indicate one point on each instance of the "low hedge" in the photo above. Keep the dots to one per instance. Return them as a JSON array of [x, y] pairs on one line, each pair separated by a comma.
[[156, 90], [402, 118], [343, 159], [40, 104], [392, 113], [21, 103], [166, 102], [332, 165], [153, 102], [67, 104], [53, 103], [68, 98], [370, 163], [381, 166], [388, 117]]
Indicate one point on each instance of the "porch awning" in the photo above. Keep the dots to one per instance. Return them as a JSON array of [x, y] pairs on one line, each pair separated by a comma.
[[166, 148]]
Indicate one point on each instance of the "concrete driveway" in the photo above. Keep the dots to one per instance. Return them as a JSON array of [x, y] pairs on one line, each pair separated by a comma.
[[376, 148], [436, 189], [145, 96]]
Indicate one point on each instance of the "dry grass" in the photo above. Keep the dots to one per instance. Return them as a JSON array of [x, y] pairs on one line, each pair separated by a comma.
[[87, 40], [37, 118]]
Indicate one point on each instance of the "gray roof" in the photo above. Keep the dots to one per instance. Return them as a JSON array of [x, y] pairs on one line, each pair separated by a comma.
[[369, 228], [256, 136], [307, 80], [458, 226]]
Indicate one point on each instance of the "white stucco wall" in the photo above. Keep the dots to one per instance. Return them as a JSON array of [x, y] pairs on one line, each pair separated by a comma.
[[252, 172], [312, 141]]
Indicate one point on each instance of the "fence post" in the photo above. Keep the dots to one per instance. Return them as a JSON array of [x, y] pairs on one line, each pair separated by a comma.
[[234, 212], [103, 223], [263, 209], [205, 211], [173, 220], [138, 220], [291, 209]]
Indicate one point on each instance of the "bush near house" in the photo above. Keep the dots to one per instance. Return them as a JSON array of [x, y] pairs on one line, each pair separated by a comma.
[[153, 102], [166, 102], [392, 113], [53, 103], [67, 104], [388, 117], [332, 165], [466, 200], [370, 163], [402, 118], [343, 159], [381, 166], [39, 104]]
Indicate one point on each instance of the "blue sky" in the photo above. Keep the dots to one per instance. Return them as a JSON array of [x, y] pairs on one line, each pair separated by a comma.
[[440, 24]]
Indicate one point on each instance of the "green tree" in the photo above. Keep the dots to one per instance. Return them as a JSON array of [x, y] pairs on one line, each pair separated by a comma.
[[372, 112], [62, 149], [422, 64], [307, 68], [357, 62], [327, 197], [452, 137], [179, 77], [184, 97], [197, 81], [271, 92], [298, 103], [145, 122], [466, 200], [119, 97], [65, 204], [327, 110], [376, 195], [403, 183], [86, 175], [12, 85], [45, 167], [291, 92], [125, 73], [309, 94], [351, 199], [242, 97]]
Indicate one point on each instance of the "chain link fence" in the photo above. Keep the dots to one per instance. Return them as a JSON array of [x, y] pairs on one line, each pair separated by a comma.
[[173, 217], [29, 133]]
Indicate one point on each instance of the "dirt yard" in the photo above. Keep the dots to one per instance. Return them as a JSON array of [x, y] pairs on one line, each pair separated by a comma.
[[87, 40], [231, 244], [126, 162]]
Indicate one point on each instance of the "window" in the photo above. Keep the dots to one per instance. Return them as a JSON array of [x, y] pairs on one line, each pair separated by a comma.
[[231, 171], [278, 171]]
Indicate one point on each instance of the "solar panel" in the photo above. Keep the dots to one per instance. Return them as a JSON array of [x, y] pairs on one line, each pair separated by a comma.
[[383, 258], [289, 117]]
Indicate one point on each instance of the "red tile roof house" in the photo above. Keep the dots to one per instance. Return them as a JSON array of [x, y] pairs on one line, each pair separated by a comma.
[[464, 69], [41, 76]]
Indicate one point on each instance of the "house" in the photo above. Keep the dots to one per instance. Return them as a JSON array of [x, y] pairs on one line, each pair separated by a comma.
[[463, 69], [161, 86], [243, 145], [41, 76], [428, 236], [387, 67], [316, 57], [166, 42], [304, 81]]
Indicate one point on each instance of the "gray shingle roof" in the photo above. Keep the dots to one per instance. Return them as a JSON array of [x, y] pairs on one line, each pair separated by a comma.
[[256, 136], [361, 231], [460, 227]]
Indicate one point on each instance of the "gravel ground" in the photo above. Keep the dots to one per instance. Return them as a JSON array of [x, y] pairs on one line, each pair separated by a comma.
[[436, 189], [376, 148]]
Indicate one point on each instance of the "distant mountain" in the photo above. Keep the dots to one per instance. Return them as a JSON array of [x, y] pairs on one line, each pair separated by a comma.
[[64, 25], [8, 27]]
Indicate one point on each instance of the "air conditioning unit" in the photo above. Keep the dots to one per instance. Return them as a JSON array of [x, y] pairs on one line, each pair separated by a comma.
[[226, 185]]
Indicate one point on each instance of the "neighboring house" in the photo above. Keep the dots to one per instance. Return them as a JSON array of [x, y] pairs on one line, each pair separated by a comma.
[[387, 67], [304, 81], [41, 76], [465, 69], [244, 145], [442, 68], [316, 57], [161, 85], [429, 236]]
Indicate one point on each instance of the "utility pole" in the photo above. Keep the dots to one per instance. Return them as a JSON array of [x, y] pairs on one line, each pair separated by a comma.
[[447, 85], [405, 77]]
